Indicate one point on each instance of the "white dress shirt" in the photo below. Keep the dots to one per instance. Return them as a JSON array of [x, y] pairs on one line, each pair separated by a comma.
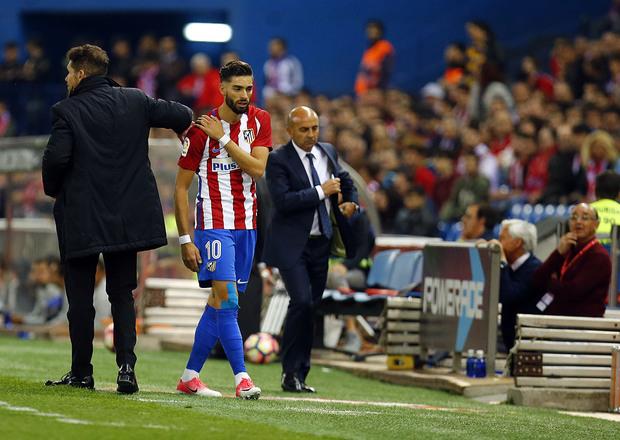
[[321, 164], [519, 261]]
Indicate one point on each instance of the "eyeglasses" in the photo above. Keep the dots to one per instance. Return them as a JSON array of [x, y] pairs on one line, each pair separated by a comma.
[[583, 218]]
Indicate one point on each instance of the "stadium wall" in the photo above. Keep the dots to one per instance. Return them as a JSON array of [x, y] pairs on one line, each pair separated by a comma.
[[328, 35]]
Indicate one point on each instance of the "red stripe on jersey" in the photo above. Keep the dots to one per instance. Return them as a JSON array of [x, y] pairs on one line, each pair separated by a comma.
[[236, 186], [254, 203]]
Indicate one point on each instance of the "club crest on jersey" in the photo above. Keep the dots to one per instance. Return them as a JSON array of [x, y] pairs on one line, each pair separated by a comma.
[[211, 266], [185, 147], [248, 135], [223, 165]]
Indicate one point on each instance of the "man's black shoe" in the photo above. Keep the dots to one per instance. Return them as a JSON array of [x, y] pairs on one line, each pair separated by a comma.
[[126, 380], [290, 383], [74, 381], [306, 388], [82, 382]]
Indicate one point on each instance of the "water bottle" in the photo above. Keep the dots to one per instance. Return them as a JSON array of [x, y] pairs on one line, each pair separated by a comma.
[[8, 322], [480, 366], [469, 365]]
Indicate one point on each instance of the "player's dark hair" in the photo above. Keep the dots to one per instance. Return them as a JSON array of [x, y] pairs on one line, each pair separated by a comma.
[[92, 59], [235, 68], [607, 185]]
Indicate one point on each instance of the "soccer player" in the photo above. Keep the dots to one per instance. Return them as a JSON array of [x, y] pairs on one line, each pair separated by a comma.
[[228, 151]]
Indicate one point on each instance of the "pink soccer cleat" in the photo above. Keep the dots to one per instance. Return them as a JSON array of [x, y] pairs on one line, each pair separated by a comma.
[[195, 386], [247, 390]]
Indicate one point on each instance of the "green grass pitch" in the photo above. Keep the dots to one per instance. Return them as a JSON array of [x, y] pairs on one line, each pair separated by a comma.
[[349, 407]]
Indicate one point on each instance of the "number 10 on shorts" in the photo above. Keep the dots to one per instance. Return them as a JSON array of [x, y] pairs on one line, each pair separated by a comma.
[[213, 249]]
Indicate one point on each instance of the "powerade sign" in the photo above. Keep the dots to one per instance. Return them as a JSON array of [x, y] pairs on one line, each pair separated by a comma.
[[456, 297]]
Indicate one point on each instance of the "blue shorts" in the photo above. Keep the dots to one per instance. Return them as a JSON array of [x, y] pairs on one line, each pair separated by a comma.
[[226, 255]]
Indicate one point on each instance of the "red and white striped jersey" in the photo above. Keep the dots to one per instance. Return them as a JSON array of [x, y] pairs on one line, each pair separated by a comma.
[[226, 196]]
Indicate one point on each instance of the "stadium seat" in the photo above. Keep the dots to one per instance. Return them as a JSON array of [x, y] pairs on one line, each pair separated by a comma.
[[405, 268], [549, 211], [537, 213], [526, 213], [515, 210], [454, 232], [561, 211], [381, 269]]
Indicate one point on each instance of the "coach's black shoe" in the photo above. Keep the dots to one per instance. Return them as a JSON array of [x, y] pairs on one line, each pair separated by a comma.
[[63, 381], [74, 381], [291, 383], [82, 382], [305, 388], [126, 380]]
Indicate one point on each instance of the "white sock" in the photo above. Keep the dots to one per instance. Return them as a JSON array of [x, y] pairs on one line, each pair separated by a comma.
[[189, 375], [240, 376]]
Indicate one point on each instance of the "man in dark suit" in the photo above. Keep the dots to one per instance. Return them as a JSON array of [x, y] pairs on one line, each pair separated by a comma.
[[309, 189], [517, 240], [97, 168]]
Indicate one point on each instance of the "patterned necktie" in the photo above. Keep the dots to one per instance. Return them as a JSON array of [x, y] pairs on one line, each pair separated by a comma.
[[324, 222]]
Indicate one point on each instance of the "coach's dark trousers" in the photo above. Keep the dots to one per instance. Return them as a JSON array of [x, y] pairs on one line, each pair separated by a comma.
[[305, 283], [120, 282]]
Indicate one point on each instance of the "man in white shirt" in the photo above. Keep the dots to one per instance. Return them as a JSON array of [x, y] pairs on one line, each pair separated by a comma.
[[312, 198]]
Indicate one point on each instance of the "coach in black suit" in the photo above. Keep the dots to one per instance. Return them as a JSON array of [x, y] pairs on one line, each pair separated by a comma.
[[517, 240], [313, 197], [97, 168]]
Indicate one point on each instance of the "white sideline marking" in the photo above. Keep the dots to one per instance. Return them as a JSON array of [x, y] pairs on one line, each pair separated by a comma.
[[70, 420], [596, 415]]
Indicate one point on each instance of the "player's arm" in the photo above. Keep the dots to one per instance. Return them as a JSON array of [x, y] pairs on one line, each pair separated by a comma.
[[189, 252], [254, 164]]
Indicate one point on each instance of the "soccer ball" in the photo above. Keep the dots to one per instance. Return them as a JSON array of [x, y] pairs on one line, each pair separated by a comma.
[[108, 337], [261, 348]]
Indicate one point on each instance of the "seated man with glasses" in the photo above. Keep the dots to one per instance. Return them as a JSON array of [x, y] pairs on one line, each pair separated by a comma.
[[575, 278]]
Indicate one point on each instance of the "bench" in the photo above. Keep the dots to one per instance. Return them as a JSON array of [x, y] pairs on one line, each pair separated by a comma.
[[564, 351], [401, 332], [172, 307]]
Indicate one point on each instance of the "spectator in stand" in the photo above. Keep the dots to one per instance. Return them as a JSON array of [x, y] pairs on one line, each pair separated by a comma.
[[11, 70], [448, 140], [201, 87], [454, 57], [469, 189], [488, 164], [538, 167], [36, 72], [414, 158], [283, 72], [488, 87], [377, 61], [598, 154], [478, 220], [484, 47], [446, 177], [536, 79], [606, 204], [574, 280], [171, 68], [415, 217], [7, 127], [121, 62], [517, 241], [567, 180]]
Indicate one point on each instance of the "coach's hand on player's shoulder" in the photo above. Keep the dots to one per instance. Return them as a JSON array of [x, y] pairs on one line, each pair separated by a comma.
[[211, 125], [191, 256], [331, 186]]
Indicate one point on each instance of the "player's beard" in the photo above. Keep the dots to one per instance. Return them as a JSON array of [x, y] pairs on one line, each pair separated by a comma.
[[238, 110]]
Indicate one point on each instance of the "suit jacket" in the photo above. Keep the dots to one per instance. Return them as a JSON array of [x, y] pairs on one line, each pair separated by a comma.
[[583, 289], [295, 201], [96, 165], [515, 289]]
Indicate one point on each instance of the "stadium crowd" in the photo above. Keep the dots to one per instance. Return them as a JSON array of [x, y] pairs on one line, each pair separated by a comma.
[[479, 135]]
